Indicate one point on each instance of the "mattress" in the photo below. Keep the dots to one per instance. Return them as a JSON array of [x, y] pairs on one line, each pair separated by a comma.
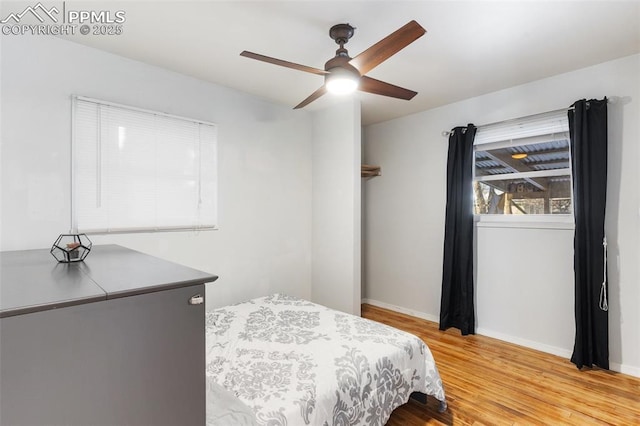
[[293, 362]]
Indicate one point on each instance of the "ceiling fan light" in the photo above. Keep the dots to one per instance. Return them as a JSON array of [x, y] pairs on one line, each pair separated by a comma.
[[341, 81]]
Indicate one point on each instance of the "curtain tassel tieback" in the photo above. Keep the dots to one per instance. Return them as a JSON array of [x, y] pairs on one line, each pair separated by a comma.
[[604, 305]]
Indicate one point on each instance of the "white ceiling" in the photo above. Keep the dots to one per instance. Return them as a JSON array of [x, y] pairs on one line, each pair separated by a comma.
[[471, 47]]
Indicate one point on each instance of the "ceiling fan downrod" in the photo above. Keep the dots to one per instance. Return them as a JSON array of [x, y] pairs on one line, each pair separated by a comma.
[[341, 33]]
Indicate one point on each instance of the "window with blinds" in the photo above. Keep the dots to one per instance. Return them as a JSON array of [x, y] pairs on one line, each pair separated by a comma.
[[135, 170], [523, 167]]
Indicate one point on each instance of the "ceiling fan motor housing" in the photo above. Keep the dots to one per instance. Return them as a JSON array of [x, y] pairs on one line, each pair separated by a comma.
[[341, 62], [339, 68]]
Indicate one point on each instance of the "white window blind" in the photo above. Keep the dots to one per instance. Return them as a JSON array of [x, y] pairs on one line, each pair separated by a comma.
[[522, 131], [136, 170]]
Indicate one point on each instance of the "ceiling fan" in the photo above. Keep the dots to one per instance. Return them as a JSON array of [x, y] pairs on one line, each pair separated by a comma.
[[343, 74]]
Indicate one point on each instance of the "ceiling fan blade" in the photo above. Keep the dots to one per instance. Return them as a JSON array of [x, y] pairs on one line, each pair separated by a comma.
[[387, 47], [377, 87], [315, 95], [282, 63]]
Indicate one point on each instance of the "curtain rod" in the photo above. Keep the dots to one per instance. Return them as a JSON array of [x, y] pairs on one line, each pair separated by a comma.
[[446, 133]]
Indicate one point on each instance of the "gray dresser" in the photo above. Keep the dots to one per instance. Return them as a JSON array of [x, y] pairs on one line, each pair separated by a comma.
[[115, 340]]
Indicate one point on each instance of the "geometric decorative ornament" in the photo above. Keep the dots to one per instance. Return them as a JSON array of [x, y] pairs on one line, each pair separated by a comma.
[[71, 248]]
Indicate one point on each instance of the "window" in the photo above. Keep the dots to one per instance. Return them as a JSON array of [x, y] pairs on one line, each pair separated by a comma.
[[523, 167], [138, 170]]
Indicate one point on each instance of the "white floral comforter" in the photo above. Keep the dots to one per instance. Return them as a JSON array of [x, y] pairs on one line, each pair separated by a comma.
[[294, 362]]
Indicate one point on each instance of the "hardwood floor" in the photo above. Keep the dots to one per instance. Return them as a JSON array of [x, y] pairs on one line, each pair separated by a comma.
[[491, 382]]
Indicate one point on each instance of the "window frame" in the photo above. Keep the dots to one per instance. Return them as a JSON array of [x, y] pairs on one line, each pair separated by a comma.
[[533, 221], [99, 171]]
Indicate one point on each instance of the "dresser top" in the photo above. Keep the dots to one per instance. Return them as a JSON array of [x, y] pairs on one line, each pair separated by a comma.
[[32, 280]]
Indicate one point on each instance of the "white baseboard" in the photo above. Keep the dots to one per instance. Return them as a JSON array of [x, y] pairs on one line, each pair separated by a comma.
[[625, 369], [564, 353], [400, 309], [542, 347]]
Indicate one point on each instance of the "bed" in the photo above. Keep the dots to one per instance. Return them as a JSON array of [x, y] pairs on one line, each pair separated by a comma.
[[293, 362]]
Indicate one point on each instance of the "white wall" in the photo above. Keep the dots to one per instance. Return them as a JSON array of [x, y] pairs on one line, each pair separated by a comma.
[[530, 304], [336, 266], [264, 241]]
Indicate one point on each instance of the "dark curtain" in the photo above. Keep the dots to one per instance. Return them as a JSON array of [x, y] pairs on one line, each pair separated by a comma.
[[588, 130], [456, 304]]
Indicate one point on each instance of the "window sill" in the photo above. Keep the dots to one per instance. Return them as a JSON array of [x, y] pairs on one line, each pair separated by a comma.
[[524, 222]]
